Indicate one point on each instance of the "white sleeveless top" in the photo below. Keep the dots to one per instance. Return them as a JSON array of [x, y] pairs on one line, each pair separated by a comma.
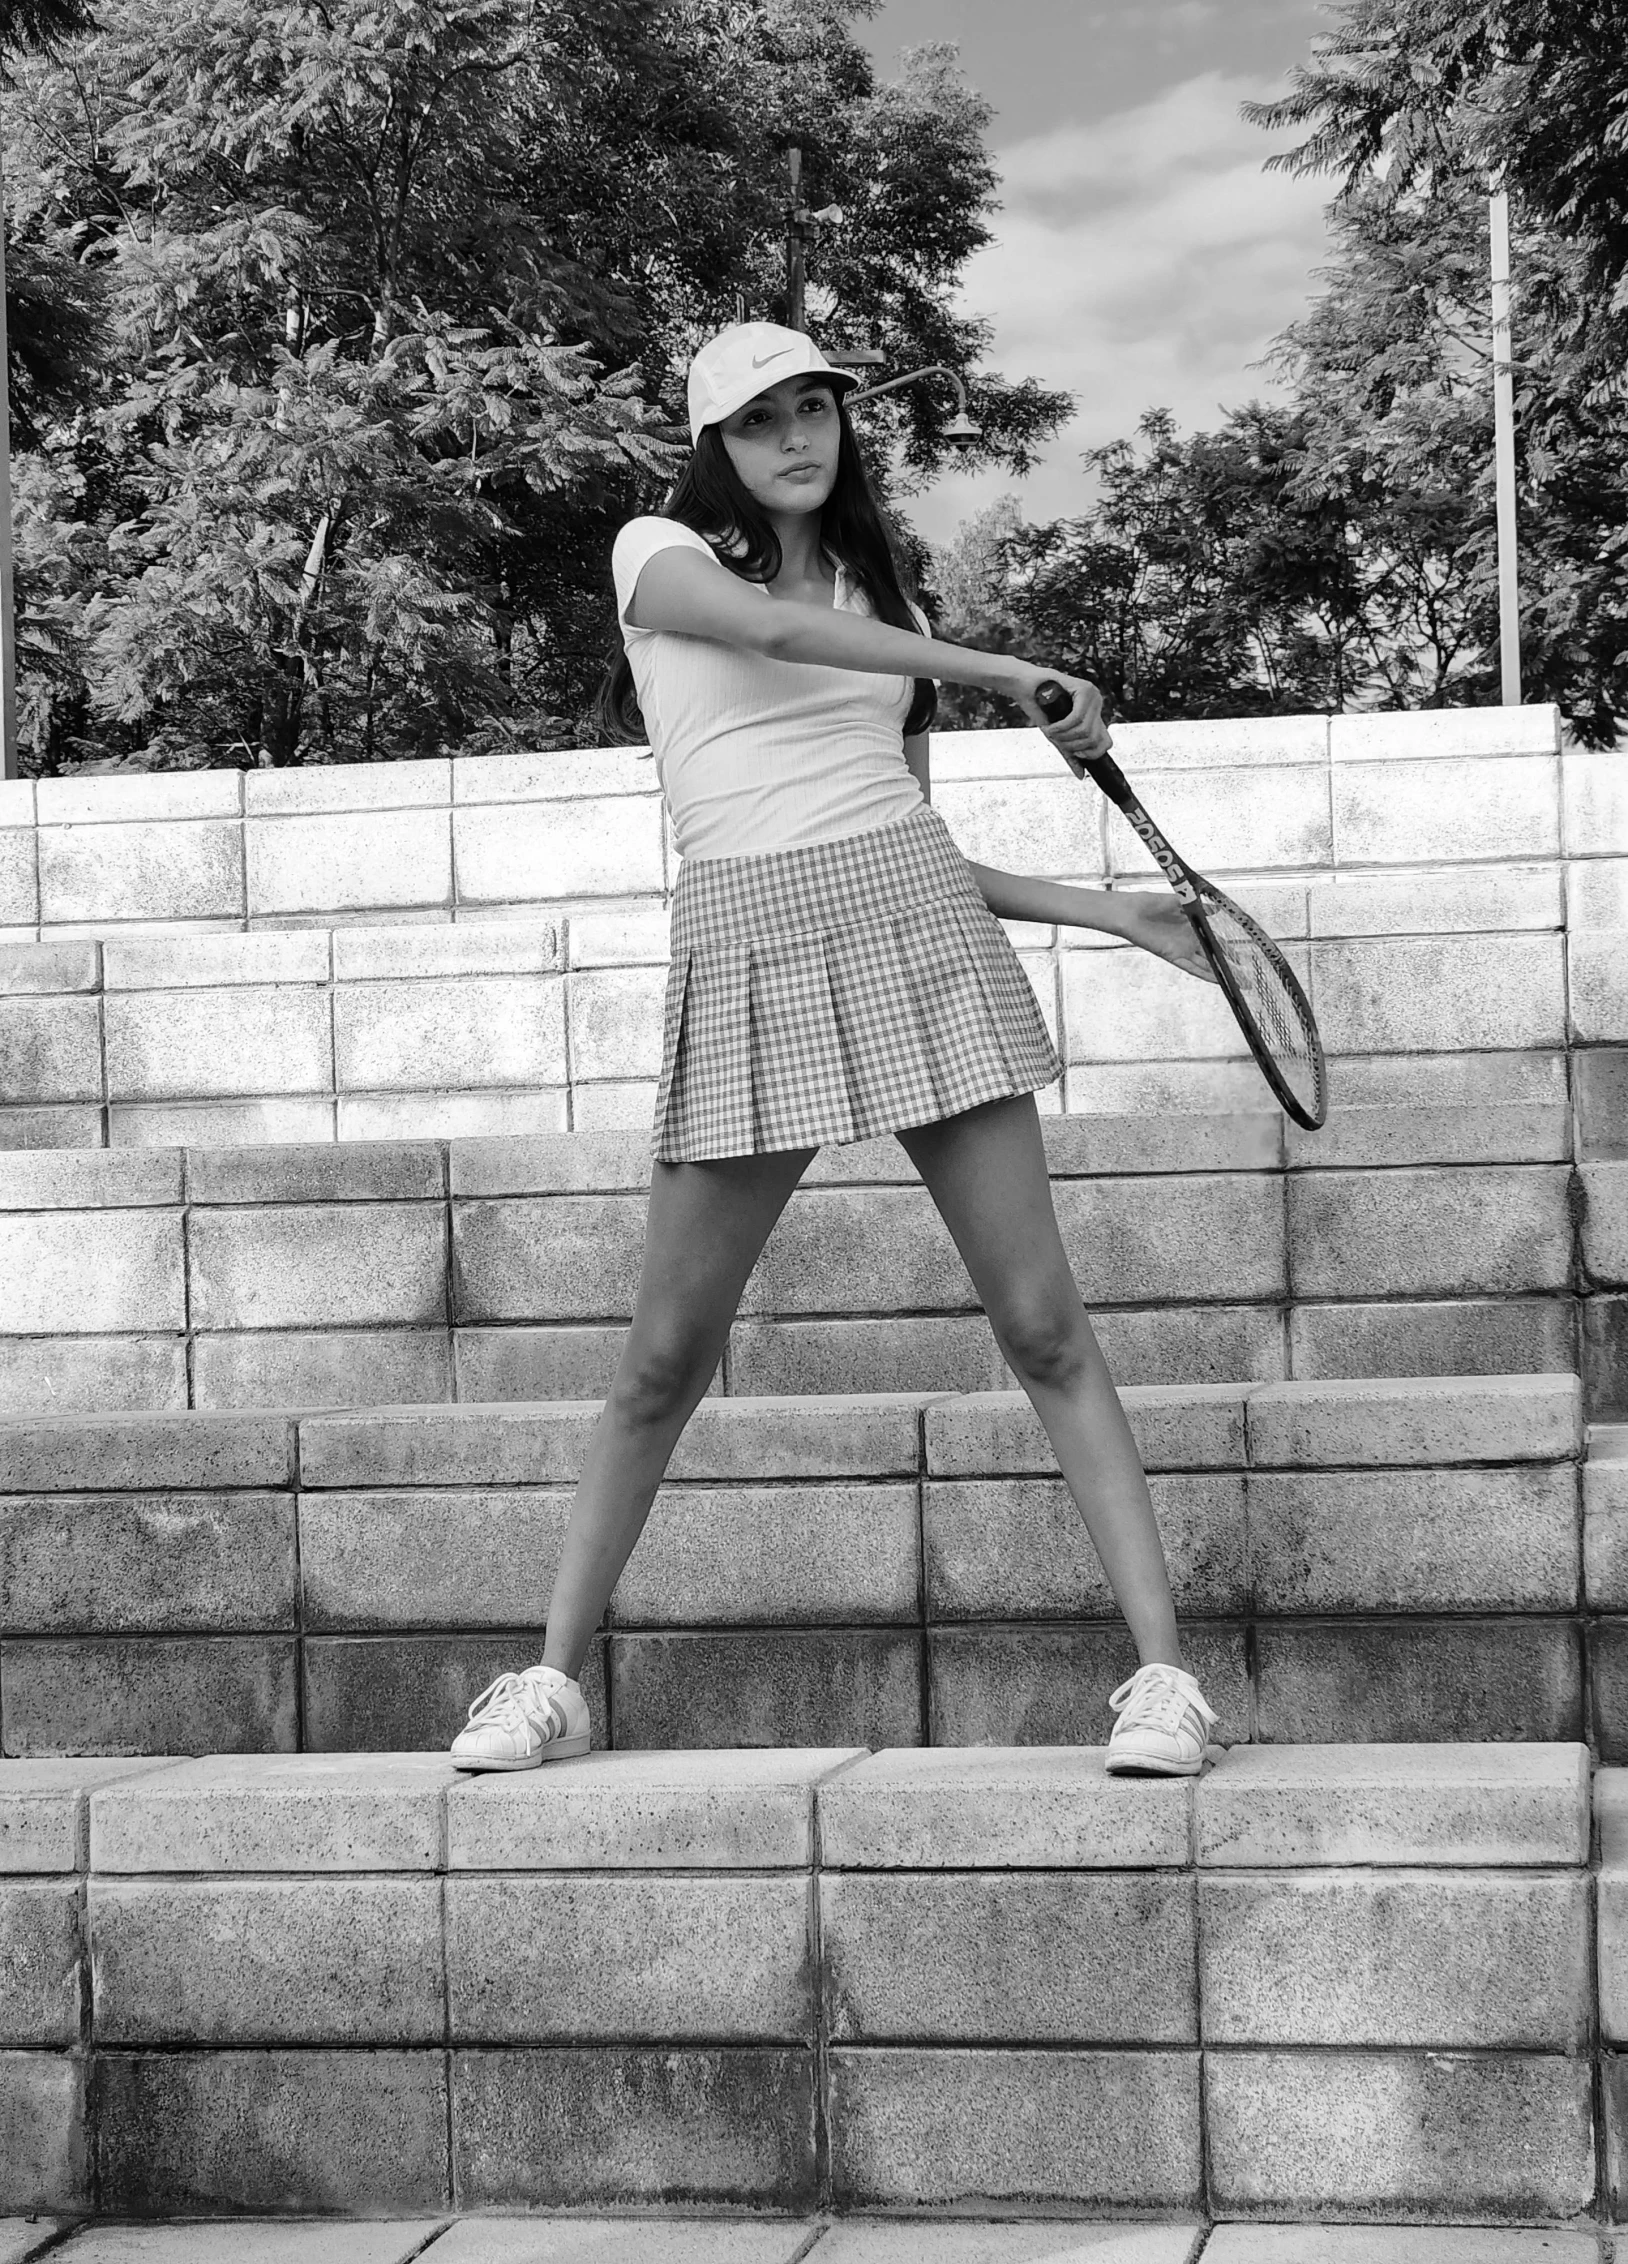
[[756, 754]]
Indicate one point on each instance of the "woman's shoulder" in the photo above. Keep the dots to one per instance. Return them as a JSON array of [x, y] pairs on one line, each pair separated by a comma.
[[641, 538], [635, 546]]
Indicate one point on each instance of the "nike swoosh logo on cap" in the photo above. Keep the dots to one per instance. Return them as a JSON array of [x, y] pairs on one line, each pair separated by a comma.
[[778, 356]]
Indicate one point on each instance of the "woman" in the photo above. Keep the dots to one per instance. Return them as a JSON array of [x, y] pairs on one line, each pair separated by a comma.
[[838, 970]]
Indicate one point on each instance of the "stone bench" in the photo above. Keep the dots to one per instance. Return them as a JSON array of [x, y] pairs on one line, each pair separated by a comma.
[[524, 1026], [1413, 1558], [435, 949], [1449, 1240], [1377, 1982], [1308, 795]]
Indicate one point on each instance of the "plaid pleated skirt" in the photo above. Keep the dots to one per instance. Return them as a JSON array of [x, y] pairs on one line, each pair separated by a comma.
[[827, 994]]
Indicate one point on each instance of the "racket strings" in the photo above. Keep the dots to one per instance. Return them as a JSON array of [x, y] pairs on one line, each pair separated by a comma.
[[1273, 998]]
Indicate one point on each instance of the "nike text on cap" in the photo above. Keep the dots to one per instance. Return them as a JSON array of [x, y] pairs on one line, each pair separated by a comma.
[[744, 361]]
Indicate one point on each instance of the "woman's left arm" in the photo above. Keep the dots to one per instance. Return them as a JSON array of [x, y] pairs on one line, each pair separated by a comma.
[[1149, 918], [1054, 903], [1011, 896]]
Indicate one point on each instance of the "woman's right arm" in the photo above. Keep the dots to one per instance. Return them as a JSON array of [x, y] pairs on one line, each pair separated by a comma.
[[680, 591]]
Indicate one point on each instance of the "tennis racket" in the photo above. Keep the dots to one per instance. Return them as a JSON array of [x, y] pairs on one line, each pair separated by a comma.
[[1257, 981]]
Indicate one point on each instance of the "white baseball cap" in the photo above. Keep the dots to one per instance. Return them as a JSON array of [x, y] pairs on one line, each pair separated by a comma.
[[744, 361]]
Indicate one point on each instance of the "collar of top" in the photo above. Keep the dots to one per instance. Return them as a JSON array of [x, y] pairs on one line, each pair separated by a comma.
[[744, 361]]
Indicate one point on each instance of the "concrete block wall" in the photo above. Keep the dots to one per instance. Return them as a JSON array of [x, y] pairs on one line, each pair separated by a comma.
[[358, 1034], [1386, 1981], [1399, 1241], [1454, 888], [1381, 1984], [1408, 1559]]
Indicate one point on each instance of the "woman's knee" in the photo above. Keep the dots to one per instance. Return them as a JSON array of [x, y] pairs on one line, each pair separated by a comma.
[[661, 1376], [1046, 1340]]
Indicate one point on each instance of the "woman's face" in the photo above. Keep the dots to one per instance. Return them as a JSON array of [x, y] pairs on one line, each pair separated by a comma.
[[784, 445]]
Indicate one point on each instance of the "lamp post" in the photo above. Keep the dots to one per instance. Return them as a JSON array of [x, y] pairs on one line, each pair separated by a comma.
[[801, 228], [1503, 426]]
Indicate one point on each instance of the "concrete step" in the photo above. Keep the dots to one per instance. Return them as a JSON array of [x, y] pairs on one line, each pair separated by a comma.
[[1402, 1241], [1380, 1559], [1328, 801], [1384, 1982], [429, 947], [554, 1021], [688, 2239]]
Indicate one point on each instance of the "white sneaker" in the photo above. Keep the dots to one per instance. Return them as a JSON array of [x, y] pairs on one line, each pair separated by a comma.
[[522, 1720], [1163, 1724]]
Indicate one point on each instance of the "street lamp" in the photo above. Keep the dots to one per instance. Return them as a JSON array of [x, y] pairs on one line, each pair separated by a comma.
[[802, 226], [961, 430]]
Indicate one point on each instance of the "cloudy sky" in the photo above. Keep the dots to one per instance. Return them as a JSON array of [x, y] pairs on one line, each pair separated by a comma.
[[1142, 256]]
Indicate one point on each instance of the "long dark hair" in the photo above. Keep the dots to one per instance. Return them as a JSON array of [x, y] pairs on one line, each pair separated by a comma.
[[710, 497]]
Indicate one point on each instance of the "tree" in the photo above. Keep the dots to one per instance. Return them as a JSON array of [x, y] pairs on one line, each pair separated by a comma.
[[306, 468], [972, 582], [54, 334], [54, 327], [1200, 583], [402, 296], [1392, 371], [229, 614], [41, 24], [1404, 94], [1418, 106], [1339, 551]]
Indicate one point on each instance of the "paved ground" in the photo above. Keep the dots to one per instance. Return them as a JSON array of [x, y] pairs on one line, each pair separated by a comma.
[[691, 2240]]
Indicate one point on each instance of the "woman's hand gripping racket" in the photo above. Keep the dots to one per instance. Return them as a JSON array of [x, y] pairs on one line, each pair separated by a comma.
[[1258, 982]]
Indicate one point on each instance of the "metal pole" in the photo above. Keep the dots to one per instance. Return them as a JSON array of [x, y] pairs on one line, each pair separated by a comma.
[[796, 223], [8, 619], [1503, 418]]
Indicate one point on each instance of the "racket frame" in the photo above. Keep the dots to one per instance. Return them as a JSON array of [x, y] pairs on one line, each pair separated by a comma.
[[1108, 776]]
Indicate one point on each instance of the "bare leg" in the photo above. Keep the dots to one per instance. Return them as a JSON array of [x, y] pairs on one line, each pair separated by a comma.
[[986, 1171], [708, 1223]]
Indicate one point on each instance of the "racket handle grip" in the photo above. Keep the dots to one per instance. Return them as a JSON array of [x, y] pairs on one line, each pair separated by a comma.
[[1053, 700]]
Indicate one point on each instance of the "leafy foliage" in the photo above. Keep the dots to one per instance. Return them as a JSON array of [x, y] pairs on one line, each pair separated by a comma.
[[1419, 106], [398, 296], [1403, 95], [41, 23], [1339, 550], [54, 331], [1392, 372], [1210, 578]]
